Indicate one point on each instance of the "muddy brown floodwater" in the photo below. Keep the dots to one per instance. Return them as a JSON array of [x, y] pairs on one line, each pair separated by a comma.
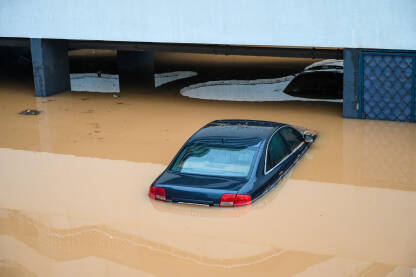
[[74, 183]]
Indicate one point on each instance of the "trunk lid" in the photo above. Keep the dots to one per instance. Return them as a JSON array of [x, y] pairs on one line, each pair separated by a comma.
[[198, 189]]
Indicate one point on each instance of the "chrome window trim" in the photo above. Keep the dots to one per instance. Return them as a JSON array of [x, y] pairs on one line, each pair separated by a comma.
[[269, 188], [287, 156]]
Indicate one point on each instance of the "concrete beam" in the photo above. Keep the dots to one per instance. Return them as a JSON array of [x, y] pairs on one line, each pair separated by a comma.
[[14, 42], [219, 49], [135, 69], [380, 24], [50, 66], [351, 82]]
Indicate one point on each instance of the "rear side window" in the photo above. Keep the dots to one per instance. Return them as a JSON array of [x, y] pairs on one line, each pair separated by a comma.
[[292, 137], [216, 159], [276, 151]]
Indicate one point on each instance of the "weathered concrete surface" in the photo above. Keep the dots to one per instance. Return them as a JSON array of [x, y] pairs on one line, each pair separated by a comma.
[[350, 107], [380, 24], [50, 66]]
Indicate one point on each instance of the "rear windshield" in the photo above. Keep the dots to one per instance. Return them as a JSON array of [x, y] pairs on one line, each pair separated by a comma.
[[216, 159]]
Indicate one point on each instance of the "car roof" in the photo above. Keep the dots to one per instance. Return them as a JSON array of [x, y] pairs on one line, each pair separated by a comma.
[[329, 63], [237, 128]]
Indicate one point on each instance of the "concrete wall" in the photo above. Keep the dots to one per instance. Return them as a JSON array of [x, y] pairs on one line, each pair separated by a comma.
[[389, 24]]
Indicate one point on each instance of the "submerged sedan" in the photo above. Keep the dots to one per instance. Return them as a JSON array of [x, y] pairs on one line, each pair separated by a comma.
[[231, 163], [320, 80]]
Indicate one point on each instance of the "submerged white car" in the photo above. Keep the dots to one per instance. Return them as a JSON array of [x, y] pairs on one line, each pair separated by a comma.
[[323, 80]]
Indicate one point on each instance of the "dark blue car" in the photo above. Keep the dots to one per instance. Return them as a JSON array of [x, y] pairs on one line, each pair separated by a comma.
[[231, 163]]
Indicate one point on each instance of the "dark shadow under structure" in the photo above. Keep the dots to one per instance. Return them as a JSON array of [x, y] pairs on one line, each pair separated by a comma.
[[377, 83]]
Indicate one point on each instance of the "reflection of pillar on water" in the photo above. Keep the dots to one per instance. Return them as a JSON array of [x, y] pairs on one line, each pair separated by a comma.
[[379, 154], [45, 138]]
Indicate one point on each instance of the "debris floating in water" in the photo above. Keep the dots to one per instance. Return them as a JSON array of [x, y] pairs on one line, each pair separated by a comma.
[[29, 112]]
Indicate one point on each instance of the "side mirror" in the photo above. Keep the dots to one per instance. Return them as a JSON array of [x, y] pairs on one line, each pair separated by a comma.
[[308, 137]]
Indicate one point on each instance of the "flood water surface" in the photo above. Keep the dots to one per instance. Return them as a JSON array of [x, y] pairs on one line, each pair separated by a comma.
[[74, 182]]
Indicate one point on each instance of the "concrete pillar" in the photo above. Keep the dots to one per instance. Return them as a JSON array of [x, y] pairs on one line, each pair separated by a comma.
[[50, 66], [135, 69], [351, 82]]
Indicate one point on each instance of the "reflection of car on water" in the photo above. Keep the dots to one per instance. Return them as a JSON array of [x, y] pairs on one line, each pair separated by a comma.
[[231, 163], [323, 80]]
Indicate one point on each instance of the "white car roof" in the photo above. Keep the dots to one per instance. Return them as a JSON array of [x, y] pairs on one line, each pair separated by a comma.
[[329, 63]]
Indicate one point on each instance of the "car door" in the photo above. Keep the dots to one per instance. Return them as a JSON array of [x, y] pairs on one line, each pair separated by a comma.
[[277, 150], [281, 152], [294, 141]]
